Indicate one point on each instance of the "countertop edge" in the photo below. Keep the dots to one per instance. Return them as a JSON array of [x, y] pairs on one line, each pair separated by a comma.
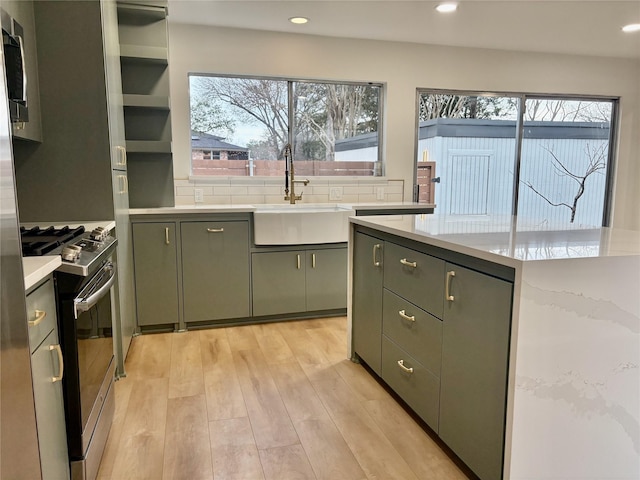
[[204, 209], [37, 268]]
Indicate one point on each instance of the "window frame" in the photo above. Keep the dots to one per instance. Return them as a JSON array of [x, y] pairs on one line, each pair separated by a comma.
[[523, 97], [380, 168]]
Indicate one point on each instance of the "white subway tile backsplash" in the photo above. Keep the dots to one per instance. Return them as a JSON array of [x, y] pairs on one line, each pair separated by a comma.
[[245, 190], [184, 191]]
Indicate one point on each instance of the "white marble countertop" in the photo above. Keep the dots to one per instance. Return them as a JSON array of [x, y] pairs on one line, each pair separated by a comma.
[[508, 241], [37, 268], [205, 208]]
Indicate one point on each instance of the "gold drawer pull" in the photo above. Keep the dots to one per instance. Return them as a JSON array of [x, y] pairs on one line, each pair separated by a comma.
[[403, 314], [406, 369], [376, 249], [447, 289], [406, 262], [40, 316], [298, 261], [215, 230], [166, 236], [60, 363]]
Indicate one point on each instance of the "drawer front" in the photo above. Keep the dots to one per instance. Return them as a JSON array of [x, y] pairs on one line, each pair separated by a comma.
[[419, 388], [416, 331], [415, 276], [41, 313]]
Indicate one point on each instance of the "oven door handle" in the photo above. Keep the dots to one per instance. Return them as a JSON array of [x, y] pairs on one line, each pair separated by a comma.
[[81, 304]]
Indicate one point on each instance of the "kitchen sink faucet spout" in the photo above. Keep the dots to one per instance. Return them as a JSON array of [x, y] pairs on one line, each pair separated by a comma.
[[289, 174]]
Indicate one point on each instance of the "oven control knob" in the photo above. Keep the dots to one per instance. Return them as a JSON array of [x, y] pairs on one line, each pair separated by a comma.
[[99, 234], [71, 253]]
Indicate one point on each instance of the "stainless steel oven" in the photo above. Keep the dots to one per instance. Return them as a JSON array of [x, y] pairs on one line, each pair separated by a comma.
[[84, 284]]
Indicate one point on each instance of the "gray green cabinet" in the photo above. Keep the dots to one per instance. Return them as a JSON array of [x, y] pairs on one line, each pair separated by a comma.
[[301, 280], [278, 280], [156, 273], [435, 325], [326, 279], [47, 373], [143, 35], [215, 270], [475, 349], [367, 299]]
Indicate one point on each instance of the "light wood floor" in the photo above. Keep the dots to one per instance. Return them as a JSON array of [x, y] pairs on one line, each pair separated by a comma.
[[276, 401]]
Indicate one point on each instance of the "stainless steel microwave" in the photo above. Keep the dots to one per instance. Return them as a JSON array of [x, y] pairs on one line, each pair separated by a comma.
[[14, 63]]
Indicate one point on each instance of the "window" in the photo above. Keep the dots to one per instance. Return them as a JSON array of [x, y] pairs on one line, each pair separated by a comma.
[[543, 158], [333, 128]]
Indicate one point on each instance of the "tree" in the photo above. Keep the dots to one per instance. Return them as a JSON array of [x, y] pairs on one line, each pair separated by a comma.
[[207, 115], [433, 106], [550, 110], [330, 112], [254, 101], [597, 162]]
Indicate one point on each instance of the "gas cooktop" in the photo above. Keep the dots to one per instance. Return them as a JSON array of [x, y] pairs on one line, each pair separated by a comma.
[[79, 249]]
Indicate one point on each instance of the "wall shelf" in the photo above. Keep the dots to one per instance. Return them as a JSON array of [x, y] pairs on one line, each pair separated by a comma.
[[148, 146], [144, 53], [145, 101]]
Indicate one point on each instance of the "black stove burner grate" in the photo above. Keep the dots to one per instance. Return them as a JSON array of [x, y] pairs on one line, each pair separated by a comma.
[[37, 241]]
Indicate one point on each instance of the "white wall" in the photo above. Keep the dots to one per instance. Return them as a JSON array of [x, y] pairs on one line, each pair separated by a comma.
[[403, 67]]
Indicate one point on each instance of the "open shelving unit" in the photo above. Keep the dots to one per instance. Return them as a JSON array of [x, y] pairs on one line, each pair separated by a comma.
[[144, 61]]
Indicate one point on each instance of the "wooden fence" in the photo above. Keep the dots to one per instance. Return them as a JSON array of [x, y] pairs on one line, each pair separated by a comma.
[[275, 168]]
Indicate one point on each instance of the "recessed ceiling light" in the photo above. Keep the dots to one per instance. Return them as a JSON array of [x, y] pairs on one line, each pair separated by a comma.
[[632, 27], [447, 7], [299, 20]]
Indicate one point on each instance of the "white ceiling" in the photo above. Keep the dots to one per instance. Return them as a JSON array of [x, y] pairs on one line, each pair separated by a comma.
[[584, 27]]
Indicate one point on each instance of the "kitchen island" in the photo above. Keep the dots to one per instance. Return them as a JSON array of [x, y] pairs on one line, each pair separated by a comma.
[[561, 344]]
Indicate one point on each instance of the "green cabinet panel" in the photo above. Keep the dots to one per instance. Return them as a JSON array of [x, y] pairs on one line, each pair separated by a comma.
[[215, 270], [326, 279], [417, 386], [419, 333], [416, 276], [156, 273], [48, 399], [278, 282], [475, 350], [47, 392], [367, 299]]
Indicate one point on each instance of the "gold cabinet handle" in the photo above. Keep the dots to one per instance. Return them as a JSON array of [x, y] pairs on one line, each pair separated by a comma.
[[313, 260], [406, 262], [403, 314], [122, 158], [376, 248], [298, 261], [40, 316], [215, 230], [406, 369], [447, 296], [166, 236], [60, 363]]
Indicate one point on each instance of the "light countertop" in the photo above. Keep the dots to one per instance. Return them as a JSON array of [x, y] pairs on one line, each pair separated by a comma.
[[506, 240], [37, 268], [208, 208]]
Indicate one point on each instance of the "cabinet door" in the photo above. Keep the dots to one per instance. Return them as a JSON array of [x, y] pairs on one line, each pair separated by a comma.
[[278, 282], [326, 279], [47, 394], [156, 273], [367, 299], [215, 270], [475, 350]]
